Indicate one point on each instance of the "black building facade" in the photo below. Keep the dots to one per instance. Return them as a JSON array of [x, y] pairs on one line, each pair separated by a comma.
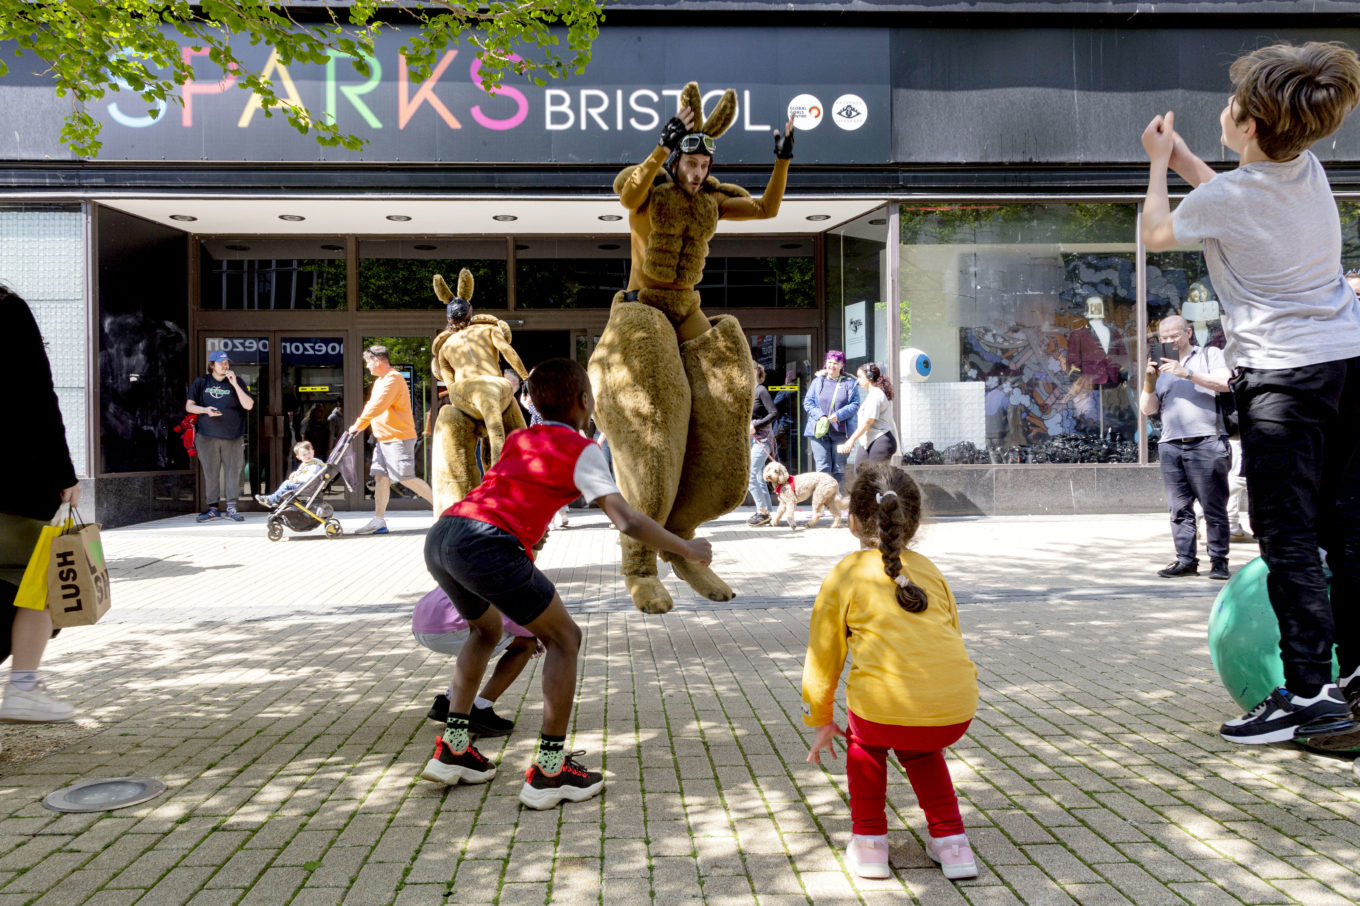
[[964, 194]]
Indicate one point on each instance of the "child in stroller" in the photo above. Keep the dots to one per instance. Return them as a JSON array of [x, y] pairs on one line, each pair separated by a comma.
[[294, 504]]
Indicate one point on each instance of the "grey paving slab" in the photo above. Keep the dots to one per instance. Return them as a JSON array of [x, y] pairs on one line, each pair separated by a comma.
[[288, 721]]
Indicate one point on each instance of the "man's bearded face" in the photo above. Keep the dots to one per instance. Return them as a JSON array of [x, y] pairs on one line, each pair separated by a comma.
[[691, 171]]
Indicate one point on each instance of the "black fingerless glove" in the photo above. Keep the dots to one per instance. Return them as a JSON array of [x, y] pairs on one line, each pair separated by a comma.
[[672, 132], [783, 145]]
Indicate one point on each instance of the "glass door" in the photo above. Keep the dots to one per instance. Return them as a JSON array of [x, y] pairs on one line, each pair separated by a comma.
[[787, 360], [297, 383]]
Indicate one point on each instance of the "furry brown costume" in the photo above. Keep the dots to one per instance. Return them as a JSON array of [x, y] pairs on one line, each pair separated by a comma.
[[672, 386], [482, 407], [821, 487]]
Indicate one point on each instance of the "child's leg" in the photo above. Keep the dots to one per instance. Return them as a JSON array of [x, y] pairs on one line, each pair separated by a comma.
[[562, 637], [508, 667], [866, 774], [483, 635], [922, 756]]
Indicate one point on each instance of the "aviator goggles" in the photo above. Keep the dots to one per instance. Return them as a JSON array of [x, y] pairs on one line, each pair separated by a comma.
[[692, 142]]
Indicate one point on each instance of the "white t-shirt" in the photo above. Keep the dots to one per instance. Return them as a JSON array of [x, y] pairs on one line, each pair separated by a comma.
[[1272, 242], [591, 475], [876, 406]]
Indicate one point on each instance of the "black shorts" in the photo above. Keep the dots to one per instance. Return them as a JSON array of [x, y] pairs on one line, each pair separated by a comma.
[[480, 565]]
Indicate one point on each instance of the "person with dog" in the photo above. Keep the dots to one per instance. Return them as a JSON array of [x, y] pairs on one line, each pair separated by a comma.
[[394, 437], [308, 466], [831, 404], [1193, 451], [219, 438], [912, 687], [875, 430], [480, 551], [1272, 244], [763, 414], [792, 490]]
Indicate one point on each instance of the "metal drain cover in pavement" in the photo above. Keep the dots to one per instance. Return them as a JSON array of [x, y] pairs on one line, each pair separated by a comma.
[[104, 795]]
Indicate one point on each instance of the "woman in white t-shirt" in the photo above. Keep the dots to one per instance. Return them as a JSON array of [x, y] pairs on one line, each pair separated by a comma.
[[876, 434]]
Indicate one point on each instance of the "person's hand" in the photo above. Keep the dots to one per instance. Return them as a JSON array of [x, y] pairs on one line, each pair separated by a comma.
[[835, 422], [783, 143], [700, 551], [230, 377], [213, 412], [845, 447], [1174, 368], [71, 495], [823, 740], [753, 429], [539, 649], [355, 429], [676, 128], [1181, 157], [1159, 138], [1153, 368]]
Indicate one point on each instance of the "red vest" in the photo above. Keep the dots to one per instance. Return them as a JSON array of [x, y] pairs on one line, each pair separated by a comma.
[[534, 478]]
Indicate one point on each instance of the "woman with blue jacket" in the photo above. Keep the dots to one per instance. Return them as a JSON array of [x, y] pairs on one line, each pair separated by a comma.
[[834, 396]]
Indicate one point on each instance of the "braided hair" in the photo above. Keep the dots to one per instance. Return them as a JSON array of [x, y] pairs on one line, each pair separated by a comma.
[[877, 378], [887, 503]]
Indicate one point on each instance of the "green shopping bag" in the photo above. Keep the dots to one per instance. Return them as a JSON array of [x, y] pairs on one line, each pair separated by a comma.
[[33, 587]]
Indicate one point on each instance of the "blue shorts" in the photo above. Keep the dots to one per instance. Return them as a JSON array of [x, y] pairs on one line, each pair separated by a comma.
[[480, 565]]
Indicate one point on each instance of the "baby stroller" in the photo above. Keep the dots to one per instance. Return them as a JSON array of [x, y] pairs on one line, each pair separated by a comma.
[[299, 509]]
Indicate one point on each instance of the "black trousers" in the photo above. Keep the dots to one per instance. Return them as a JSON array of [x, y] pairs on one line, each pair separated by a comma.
[[1197, 470], [1300, 437]]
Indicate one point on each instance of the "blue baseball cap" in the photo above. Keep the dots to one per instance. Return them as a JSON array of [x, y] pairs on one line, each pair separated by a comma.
[[218, 356]]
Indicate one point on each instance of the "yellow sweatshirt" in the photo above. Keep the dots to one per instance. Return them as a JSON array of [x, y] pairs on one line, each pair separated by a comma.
[[389, 409], [906, 669]]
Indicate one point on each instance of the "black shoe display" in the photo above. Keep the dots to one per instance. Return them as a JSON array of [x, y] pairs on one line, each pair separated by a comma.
[[1176, 569], [1220, 571], [439, 711], [486, 722]]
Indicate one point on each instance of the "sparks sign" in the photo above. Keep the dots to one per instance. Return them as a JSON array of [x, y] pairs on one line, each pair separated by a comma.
[[609, 114]]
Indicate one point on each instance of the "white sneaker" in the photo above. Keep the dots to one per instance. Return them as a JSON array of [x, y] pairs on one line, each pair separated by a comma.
[[954, 855], [374, 526], [867, 856], [33, 706]]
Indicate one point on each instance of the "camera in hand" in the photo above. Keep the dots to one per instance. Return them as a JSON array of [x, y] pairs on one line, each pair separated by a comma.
[[1158, 351]]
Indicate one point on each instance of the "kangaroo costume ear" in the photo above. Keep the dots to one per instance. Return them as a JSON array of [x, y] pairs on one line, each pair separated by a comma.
[[465, 284], [723, 115], [441, 290], [691, 98]]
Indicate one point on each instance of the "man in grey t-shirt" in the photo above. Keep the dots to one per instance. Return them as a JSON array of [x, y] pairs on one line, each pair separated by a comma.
[[1193, 450]]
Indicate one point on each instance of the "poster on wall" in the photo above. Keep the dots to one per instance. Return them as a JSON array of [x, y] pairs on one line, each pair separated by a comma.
[[856, 331]]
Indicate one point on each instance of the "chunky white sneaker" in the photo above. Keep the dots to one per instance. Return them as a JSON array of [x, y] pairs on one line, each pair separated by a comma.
[[954, 855], [374, 526], [33, 706], [867, 856]]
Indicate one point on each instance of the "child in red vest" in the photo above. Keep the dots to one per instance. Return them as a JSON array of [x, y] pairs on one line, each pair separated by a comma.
[[481, 553]]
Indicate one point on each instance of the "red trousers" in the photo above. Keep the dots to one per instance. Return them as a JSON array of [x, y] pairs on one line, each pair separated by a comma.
[[921, 752]]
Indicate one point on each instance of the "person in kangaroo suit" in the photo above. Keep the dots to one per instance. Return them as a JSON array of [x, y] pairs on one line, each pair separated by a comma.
[[482, 407], [672, 386]]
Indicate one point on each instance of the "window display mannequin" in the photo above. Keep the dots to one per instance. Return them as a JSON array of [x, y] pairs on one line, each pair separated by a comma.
[[1097, 350], [1199, 310]]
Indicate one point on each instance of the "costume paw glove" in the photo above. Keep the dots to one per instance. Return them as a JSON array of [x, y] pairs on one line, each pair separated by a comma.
[[783, 145], [672, 132]]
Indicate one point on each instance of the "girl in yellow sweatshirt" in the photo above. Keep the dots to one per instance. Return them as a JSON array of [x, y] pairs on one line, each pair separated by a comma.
[[912, 687]]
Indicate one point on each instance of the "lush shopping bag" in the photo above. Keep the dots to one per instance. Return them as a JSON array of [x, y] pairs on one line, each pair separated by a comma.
[[77, 578], [33, 587]]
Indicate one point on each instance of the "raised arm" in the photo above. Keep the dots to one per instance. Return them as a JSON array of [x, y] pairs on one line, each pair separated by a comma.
[[767, 205], [502, 344], [1158, 141]]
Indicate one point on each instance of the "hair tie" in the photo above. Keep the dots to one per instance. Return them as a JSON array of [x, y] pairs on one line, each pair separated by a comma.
[[902, 580], [879, 498]]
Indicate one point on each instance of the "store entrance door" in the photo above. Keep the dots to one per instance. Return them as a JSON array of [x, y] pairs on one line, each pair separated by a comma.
[[298, 382]]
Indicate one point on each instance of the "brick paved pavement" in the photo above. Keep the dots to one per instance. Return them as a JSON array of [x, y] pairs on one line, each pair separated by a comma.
[[277, 691]]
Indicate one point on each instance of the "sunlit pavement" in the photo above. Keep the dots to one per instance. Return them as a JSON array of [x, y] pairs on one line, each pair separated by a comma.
[[276, 689]]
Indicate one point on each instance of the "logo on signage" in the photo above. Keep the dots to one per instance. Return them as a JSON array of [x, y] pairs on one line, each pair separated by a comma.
[[849, 112], [805, 111]]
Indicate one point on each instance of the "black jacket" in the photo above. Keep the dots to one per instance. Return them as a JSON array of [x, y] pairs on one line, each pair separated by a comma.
[[34, 457], [762, 423]]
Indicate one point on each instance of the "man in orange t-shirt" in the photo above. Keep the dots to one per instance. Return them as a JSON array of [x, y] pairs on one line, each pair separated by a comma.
[[394, 437]]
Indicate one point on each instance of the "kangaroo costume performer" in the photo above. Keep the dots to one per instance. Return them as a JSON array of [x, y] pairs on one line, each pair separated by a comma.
[[673, 387], [482, 407]]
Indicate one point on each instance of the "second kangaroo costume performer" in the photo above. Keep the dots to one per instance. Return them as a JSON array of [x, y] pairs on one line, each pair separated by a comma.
[[482, 407], [673, 387]]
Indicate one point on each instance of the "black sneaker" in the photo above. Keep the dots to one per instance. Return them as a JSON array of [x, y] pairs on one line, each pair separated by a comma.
[[759, 519], [1220, 570], [572, 782], [487, 723], [1284, 716], [1350, 687], [1176, 569], [439, 711], [448, 767]]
